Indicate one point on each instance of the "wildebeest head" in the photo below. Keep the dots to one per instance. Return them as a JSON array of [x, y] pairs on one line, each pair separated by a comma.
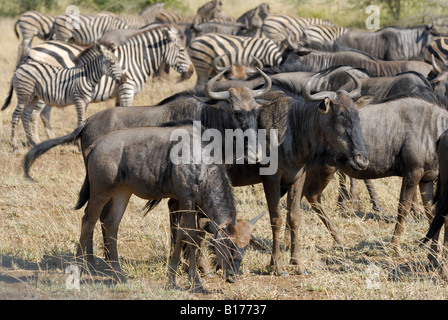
[[242, 106], [439, 78], [176, 55], [341, 123], [231, 244], [111, 65]]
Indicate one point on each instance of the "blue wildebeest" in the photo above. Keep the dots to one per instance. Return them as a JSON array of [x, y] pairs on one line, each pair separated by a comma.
[[441, 200], [308, 131], [391, 43], [414, 126], [115, 171]]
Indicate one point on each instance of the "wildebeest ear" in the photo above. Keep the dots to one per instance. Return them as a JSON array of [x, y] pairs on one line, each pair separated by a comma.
[[324, 106], [364, 101]]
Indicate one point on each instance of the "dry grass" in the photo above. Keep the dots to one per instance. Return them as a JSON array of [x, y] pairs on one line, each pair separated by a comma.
[[39, 230]]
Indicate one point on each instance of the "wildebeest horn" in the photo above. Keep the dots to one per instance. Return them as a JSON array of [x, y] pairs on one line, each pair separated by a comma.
[[258, 62], [357, 91], [266, 87], [224, 95], [254, 220], [434, 65], [293, 45], [317, 96], [215, 63]]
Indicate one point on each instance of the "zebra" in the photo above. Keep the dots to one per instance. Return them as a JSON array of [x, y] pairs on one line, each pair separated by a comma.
[[141, 55], [278, 27], [238, 50], [31, 24], [323, 33], [253, 20], [439, 48], [85, 29], [37, 84]]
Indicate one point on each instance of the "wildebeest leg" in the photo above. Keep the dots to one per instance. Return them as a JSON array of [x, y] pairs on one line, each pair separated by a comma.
[[111, 223], [408, 189], [427, 194], [374, 199], [271, 185], [316, 181], [293, 221], [92, 213]]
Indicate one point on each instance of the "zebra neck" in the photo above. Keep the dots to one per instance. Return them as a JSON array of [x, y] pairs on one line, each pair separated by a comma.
[[92, 71]]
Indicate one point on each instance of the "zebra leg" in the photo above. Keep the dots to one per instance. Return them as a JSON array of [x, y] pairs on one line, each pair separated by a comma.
[[45, 117], [81, 111], [126, 96], [15, 119], [30, 131]]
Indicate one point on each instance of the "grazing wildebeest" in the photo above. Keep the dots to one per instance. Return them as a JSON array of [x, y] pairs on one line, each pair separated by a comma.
[[411, 127], [140, 161], [308, 131], [441, 200], [391, 43]]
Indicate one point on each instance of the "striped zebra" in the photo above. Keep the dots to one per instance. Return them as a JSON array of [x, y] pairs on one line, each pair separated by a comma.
[[438, 48], [238, 50], [278, 27], [32, 24], [38, 82], [323, 33], [140, 56], [83, 29]]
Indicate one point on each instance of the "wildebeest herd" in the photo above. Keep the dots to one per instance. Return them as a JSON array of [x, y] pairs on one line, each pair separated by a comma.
[[325, 98]]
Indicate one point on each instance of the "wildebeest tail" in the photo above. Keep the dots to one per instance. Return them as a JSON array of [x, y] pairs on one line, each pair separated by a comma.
[[441, 213], [43, 147], [84, 194], [151, 204], [8, 98]]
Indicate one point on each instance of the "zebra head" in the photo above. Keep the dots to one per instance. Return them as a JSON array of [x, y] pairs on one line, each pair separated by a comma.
[[111, 65], [175, 54]]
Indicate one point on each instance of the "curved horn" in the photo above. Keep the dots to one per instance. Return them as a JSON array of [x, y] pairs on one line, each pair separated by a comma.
[[317, 96], [266, 87], [254, 220], [258, 61], [215, 63], [224, 95], [434, 65], [293, 45], [357, 91]]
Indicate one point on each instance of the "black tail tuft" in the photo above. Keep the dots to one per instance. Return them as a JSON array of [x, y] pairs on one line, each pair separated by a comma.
[[84, 194], [8, 99], [151, 205]]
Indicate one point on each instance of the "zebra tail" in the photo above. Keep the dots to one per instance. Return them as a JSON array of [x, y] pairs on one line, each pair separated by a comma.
[[441, 213], [43, 147], [8, 99], [15, 29]]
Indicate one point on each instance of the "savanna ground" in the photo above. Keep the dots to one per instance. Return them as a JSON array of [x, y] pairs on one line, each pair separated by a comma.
[[39, 230]]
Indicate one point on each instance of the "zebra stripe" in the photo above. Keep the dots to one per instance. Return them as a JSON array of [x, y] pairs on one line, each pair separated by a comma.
[[278, 27], [147, 16], [438, 48], [43, 83], [238, 50], [31, 24], [85, 29], [323, 33]]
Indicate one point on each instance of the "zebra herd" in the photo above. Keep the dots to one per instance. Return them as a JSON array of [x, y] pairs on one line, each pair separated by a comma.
[[112, 56]]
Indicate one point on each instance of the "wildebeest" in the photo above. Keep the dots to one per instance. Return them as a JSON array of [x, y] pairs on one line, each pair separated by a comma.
[[439, 81], [140, 161], [307, 131], [391, 43], [315, 60], [441, 200], [411, 127]]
